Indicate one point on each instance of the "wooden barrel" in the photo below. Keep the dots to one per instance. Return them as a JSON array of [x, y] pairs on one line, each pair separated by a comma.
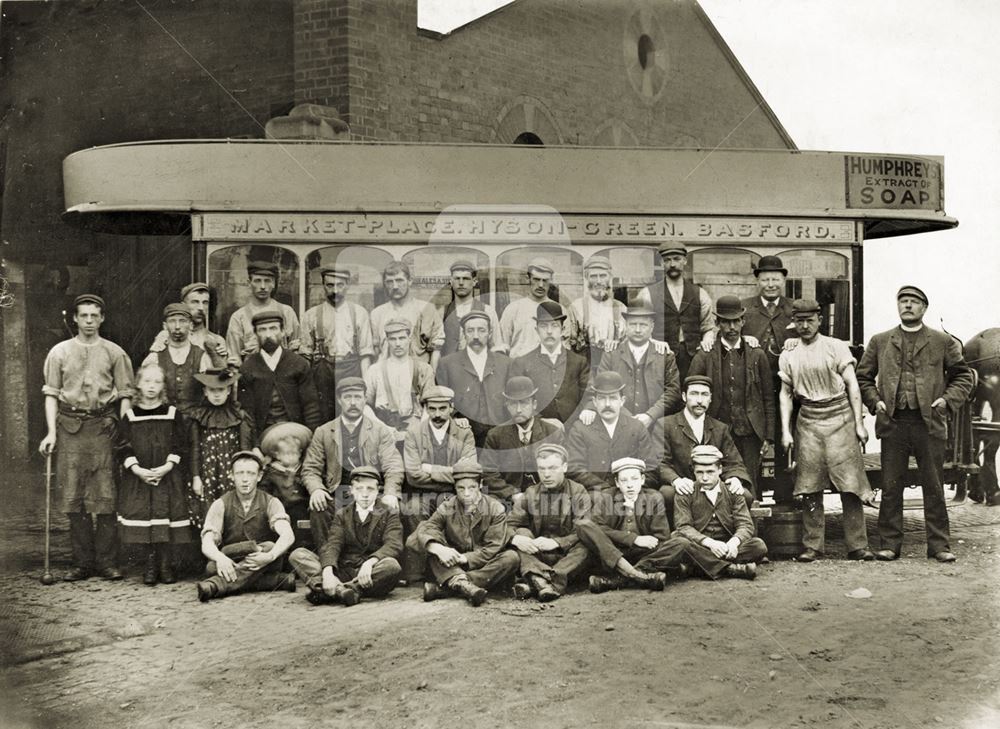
[[782, 532]]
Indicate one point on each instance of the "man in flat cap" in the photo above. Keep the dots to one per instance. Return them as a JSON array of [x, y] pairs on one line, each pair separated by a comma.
[[561, 376], [394, 383], [430, 450], [85, 378], [336, 337], [716, 525], [684, 309], [241, 336], [464, 541], [508, 455], [629, 533], [360, 556], [423, 318], [677, 434], [742, 395], [517, 323], [464, 301], [477, 375], [829, 432], [544, 525], [354, 438], [180, 360], [196, 297], [276, 384], [597, 323], [612, 435], [245, 536], [912, 378]]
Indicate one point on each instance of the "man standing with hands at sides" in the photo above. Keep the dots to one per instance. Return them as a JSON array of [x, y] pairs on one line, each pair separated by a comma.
[[596, 321], [464, 302], [180, 360], [426, 328], [84, 377], [241, 336], [912, 377], [517, 324], [829, 433], [196, 297]]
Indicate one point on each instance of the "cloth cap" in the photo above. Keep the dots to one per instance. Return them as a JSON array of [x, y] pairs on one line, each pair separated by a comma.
[[770, 263], [609, 382], [176, 309], [366, 472], [665, 249], [804, 308], [729, 307], [705, 455], [267, 315], [467, 469], [597, 263], [240, 455], [912, 291], [351, 383], [475, 315], [548, 448], [196, 286], [463, 265], [549, 311], [270, 438], [396, 325], [620, 464], [262, 268], [215, 378], [336, 272], [437, 393], [88, 299], [541, 264], [697, 380], [519, 388]]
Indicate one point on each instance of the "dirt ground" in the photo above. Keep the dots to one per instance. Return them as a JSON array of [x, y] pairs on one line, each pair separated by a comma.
[[788, 650]]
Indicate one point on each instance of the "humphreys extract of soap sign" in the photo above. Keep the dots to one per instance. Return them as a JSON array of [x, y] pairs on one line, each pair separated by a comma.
[[897, 183]]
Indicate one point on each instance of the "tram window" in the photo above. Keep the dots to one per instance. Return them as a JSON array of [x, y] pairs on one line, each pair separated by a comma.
[[825, 277], [230, 284], [722, 271], [512, 274], [430, 267], [365, 263], [632, 269]]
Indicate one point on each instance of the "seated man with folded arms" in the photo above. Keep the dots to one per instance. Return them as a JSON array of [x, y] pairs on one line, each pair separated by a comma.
[[464, 541], [360, 556], [716, 524], [544, 524], [245, 536], [629, 533]]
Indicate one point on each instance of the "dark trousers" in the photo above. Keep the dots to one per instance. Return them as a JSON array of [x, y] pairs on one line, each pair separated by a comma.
[[749, 448], [502, 567], [701, 557], [558, 567], [814, 522], [307, 566], [247, 580], [666, 554], [909, 436], [668, 492], [988, 473], [683, 358], [93, 549]]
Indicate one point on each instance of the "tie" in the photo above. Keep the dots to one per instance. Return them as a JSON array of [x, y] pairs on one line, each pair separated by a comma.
[[771, 308], [525, 439]]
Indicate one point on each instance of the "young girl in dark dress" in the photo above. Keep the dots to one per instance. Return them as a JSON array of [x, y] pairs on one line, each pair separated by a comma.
[[152, 507]]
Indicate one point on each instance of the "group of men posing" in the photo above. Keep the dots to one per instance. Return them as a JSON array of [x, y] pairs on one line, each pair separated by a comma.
[[465, 447]]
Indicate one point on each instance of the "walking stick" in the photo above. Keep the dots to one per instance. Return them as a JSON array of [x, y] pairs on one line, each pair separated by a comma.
[[47, 578]]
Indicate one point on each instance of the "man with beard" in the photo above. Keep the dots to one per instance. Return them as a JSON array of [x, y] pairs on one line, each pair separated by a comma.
[[336, 337], [423, 319], [196, 297], [353, 439], [430, 450], [84, 377], [560, 375], [276, 384], [463, 287], [508, 455], [477, 376], [241, 338], [395, 383], [684, 310], [597, 323], [517, 323], [180, 360]]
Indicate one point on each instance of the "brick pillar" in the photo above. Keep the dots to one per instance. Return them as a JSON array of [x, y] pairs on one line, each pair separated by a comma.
[[321, 53]]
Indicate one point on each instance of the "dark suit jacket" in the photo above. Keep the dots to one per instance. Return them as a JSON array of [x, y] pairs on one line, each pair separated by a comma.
[[345, 545], [481, 402], [757, 322], [526, 518], [657, 371], [508, 466], [591, 450], [759, 381], [677, 438], [293, 378], [693, 512], [940, 370], [650, 517], [561, 388], [322, 466], [479, 537], [418, 448]]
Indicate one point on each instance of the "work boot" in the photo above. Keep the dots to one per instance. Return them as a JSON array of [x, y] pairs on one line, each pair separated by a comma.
[[522, 590], [149, 576], [433, 592], [543, 588], [600, 584], [745, 571], [110, 573], [207, 589], [76, 574], [469, 590], [654, 581], [165, 554], [345, 595]]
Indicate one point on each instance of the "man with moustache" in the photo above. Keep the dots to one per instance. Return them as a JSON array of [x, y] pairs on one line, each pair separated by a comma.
[[180, 360], [597, 323], [477, 376], [423, 319], [517, 323], [241, 338], [276, 384], [911, 378], [196, 297], [336, 337], [464, 302], [395, 383]]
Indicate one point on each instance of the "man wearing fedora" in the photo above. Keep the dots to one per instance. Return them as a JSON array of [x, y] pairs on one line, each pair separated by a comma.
[[196, 297], [560, 375], [336, 337], [422, 317], [85, 377], [517, 323], [464, 301], [181, 359], [477, 375], [912, 379], [829, 432], [241, 336], [596, 320], [742, 397], [276, 384], [394, 383], [612, 435], [508, 455]]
